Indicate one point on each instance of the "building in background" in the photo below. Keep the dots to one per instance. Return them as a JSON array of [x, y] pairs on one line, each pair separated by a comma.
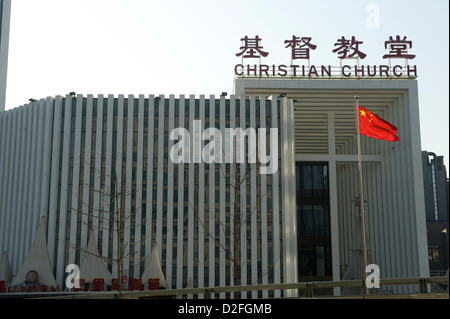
[[437, 211], [5, 12]]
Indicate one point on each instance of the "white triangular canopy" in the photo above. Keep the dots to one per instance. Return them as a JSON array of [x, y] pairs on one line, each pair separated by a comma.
[[5, 268], [93, 266], [153, 268], [37, 260]]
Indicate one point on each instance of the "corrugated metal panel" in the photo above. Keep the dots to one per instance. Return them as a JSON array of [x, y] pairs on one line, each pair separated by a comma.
[[59, 158]]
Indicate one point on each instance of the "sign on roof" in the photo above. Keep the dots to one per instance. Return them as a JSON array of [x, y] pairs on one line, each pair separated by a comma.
[[301, 48]]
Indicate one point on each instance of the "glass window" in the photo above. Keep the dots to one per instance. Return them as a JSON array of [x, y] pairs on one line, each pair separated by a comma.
[[306, 261], [320, 260], [306, 181], [319, 220], [326, 220], [307, 220], [313, 220], [317, 179]]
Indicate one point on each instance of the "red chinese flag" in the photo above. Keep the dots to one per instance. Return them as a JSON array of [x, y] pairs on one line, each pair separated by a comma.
[[373, 126]]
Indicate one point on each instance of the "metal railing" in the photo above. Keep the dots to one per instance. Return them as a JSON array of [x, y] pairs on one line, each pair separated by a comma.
[[207, 292]]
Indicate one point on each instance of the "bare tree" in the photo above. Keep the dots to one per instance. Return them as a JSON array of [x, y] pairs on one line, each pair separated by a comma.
[[112, 215], [239, 216]]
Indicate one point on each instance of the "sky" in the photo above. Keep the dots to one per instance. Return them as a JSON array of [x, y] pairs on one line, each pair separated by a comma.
[[189, 47]]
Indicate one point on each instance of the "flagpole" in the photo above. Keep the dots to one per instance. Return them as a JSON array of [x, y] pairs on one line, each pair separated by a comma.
[[358, 141]]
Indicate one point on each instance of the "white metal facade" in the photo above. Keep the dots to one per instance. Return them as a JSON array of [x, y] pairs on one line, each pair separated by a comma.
[[324, 131], [58, 157], [42, 150]]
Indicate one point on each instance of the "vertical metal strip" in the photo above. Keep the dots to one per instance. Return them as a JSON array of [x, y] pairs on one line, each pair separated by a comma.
[[243, 205], [13, 184], [32, 171], [38, 166], [252, 153], [160, 172], [98, 158], [232, 182], [263, 198], [170, 193], [31, 226], [3, 172], [211, 204], [76, 196], [46, 156], [223, 191], [181, 188], [46, 162], [150, 167], [86, 207], [53, 211], [292, 193], [107, 201], [118, 175], [285, 194], [63, 208], [21, 209], [128, 189], [201, 207], [138, 242], [191, 195]]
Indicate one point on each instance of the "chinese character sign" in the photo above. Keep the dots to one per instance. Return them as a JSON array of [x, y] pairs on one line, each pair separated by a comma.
[[251, 48], [348, 48], [99, 284], [300, 47], [398, 48]]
